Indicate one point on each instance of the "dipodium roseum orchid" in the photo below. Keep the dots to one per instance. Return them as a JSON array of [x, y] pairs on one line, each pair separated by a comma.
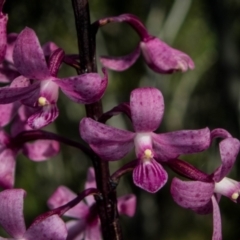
[[11, 219], [87, 225], [10, 147], [147, 108], [42, 94], [160, 57], [203, 197]]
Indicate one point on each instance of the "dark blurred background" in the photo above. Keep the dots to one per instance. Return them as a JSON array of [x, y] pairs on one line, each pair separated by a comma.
[[207, 30]]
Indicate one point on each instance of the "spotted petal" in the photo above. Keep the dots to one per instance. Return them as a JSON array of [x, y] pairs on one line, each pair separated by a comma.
[[191, 194], [108, 142], [51, 227], [162, 58], [41, 150], [121, 63], [11, 212], [28, 56], [85, 89], [171, 145], [7, 168], [147, 107], [229, 149], [150, 176]]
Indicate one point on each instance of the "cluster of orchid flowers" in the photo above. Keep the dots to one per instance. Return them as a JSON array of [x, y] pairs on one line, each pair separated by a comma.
[[29, 103]]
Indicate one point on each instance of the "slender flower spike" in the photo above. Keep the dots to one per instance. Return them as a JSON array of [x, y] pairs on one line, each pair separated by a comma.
[[11, 219], [203, 197], [147, 107], [160, 57], [87, 225], [30, 62]]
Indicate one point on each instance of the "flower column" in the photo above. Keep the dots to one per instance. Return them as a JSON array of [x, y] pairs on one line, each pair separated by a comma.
[[107, 206]]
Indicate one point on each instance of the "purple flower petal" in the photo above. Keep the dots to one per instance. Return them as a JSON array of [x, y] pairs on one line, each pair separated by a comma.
[[11, 212], [64, 195], [220, 133], [147, 107], [217, 224], [85, 89], [150, 176], [7, 112], [12, 94], [28, 56], [127, 204], [162, 58], [108, 142], [170, 145], [51, 227], [41, 150], [121, 63], [191, 194], [7, 168], [90, 183], [3, 35], [44, 116], [229, 149]]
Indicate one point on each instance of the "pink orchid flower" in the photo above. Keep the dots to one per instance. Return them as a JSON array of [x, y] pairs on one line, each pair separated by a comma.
[[146, 108]]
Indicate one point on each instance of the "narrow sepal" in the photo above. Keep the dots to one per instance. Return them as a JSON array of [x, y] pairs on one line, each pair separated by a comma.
[[85, 89], [108, 142], [28, 56], [217, 223], [11, 212], [171, 145], [229, 149], [162, 58], [147, 107], [12, 94], [191, 194], [121, 63]]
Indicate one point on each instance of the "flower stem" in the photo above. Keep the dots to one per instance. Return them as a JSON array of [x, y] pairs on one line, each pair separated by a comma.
[[107, 206]]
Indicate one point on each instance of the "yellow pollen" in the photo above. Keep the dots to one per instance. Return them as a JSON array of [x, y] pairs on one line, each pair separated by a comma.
[[235, 196], [42, 101], [148, 154]]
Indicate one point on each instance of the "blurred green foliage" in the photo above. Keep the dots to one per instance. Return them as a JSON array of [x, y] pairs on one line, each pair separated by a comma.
[[209, 31]]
